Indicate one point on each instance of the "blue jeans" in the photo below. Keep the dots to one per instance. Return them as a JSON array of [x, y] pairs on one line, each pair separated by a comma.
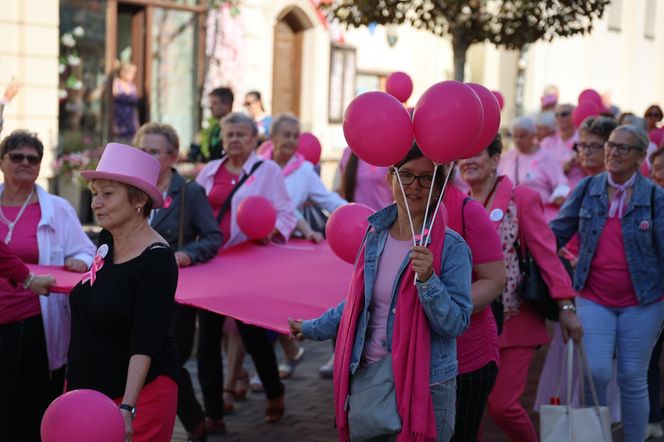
[[631, 332]]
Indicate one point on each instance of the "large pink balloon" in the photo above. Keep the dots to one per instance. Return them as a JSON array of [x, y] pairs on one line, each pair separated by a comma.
[[399, 85], [346, 228], [491, 119], [82, 416], [500, 98], [378, 128], [584, 110], [256, 216], [447, 121], [591, 95], [309, 147]]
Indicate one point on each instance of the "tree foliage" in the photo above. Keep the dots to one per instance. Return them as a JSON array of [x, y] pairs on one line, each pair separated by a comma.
[[510, 24]]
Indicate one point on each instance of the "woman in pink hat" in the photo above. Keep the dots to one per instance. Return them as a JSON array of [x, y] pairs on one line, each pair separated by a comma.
[[121, 308], [41, 229]]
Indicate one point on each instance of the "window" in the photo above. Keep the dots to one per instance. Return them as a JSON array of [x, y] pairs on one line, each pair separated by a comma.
[[342, 81], [615, 15], [370, 81], [651, 12]]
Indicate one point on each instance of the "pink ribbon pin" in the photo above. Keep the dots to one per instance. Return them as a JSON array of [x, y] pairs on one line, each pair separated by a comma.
[[167, 202], [97, 264]]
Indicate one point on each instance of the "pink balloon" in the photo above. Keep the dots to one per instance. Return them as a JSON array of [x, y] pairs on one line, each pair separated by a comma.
[[591, 95], [500, 98], [82, 416], [256, 216], [378, 128], [491, 119], [584, 110], [447, 121], [309, 147], [399, 85], [345, 230]]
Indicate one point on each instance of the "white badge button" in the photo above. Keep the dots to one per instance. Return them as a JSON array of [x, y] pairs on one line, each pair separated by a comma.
[[496, 215], [102, 250]]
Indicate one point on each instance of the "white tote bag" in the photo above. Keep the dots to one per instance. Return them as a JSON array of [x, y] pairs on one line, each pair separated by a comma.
[[564, 423]]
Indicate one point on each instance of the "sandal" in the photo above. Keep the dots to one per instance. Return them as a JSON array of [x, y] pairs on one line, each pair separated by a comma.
[[241, 386], [199, 433], [229, 401], [213, 426], [287, 367], [275, 410]]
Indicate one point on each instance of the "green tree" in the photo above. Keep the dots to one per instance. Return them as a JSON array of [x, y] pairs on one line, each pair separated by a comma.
[[510, 24]]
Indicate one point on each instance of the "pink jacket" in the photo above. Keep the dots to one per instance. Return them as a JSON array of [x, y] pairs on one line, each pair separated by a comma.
[[267, 181], [528, 327]]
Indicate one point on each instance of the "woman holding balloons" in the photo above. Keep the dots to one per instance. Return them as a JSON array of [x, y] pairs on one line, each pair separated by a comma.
[[228, 181]]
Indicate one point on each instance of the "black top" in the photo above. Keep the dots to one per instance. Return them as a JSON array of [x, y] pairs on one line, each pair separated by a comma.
[[125, 312]]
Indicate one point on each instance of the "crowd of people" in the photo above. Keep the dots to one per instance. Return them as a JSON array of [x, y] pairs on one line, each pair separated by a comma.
[[585, 204]]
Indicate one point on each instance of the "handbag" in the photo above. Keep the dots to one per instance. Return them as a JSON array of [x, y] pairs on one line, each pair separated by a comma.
[[372, 406], [563, 423], [316, 216], [533, 289]]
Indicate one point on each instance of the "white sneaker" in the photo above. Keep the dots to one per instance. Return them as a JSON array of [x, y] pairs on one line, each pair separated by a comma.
[[654, 430], [327, 370], [255, 384]]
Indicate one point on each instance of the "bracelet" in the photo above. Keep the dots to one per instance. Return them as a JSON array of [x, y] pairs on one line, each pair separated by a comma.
[[566, 307], [28, 281], [129, 408]]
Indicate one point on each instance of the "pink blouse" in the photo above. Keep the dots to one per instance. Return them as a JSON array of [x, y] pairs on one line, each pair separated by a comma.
[[371, 187], [224, 181]]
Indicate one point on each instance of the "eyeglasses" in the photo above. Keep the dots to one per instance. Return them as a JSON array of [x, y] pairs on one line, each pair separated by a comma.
[[622, 148], [563, 114], [408, 178], [18, 158], [590, 147]]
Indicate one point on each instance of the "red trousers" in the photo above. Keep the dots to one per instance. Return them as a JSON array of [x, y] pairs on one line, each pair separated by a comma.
[[155, 411], [505, 399]]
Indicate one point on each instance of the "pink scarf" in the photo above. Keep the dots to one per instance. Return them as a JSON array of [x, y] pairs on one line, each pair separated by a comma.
[[411, 351], [290, 167], [618, 202]]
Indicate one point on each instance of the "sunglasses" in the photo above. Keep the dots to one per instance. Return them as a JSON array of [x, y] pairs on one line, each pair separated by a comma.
[[18, 158], [563, 114]]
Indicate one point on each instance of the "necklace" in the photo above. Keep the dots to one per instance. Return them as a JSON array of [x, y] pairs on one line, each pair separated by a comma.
[[12, 224]]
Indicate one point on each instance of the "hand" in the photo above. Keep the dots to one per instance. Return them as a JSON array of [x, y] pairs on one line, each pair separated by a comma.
[[314, 236], [76, 265], [422, 260], [182, 259], [41, 283], [11, 90], [559, 201], [295, 327], [570, 326], [572, 258], [128, 423]]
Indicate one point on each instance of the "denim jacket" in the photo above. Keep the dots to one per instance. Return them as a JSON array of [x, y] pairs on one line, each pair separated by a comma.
[[585, 212], [445, 299]]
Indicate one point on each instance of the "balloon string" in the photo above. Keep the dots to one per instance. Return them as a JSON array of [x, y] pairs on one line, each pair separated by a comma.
[[426, 212], [403, 192], [440, 197]]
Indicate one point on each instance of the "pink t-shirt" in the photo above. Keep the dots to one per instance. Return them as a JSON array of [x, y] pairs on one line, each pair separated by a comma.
[[563, 150], [224, 181], [540, 171], [608, 281], [371, 187], [17, 303], [478, 345], [388, 267]]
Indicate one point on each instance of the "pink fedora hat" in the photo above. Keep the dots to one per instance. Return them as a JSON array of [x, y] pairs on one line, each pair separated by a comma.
[[129, 165]]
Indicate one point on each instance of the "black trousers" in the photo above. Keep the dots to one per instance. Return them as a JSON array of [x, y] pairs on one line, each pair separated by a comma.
[[27, 387], [210, 367], [472, 394], [183, 322], [654, 383]]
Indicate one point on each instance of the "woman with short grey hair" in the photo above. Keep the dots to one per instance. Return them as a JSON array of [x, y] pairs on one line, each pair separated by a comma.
[[619, 217]]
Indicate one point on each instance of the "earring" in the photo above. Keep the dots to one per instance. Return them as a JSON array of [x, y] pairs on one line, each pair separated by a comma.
[[138, 210]]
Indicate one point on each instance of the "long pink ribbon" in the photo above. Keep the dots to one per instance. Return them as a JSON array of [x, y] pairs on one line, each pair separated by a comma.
[[91, 275]]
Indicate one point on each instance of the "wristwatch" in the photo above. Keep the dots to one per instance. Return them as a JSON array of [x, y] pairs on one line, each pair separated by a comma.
[[567, 307], [130, 409]]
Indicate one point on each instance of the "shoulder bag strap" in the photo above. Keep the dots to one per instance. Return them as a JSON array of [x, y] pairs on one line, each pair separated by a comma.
[[463, 216], [227, 201], [183, 197]]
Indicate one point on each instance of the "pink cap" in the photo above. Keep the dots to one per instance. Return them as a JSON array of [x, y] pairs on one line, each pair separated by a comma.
[[548, 100], [129, 165]]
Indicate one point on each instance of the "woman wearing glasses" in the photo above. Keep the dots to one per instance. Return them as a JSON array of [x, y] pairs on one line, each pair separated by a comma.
[[619, 217], [41, 229], [654, 115]]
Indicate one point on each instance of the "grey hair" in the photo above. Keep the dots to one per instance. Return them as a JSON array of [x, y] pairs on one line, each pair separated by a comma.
[[633, 120], [524, 123], [600, 126], [282, 119], [547, 119], [640, 135], [240, 118]]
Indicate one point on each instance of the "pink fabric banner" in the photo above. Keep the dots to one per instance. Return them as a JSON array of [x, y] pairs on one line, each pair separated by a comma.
[[261, 285]]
